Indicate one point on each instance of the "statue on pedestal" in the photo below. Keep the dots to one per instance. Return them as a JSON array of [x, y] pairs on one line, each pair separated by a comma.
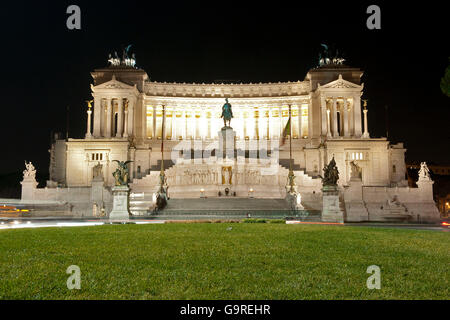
[[30, 171], [121, 192], [424, 172], [226, 175], [121, 174], [331, 174], [227, 113]]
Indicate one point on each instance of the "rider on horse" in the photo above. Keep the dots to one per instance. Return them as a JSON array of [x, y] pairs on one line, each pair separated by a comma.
[[227, 114]]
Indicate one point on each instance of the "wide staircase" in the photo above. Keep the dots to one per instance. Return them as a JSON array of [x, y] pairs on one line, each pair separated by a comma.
[[231, 208]]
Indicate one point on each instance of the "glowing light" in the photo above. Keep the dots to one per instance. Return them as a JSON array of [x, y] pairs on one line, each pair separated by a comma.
[[303, 222]]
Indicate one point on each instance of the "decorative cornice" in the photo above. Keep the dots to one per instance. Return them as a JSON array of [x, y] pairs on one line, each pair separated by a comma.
[[227, 90]]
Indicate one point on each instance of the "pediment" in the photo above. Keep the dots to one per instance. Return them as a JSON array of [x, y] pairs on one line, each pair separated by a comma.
[[341, 83], [113, 84]]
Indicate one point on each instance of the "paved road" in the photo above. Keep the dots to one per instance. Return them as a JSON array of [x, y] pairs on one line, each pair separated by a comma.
[[41, 222]]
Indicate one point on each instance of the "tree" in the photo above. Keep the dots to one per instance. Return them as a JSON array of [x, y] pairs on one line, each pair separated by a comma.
[[445, 82]]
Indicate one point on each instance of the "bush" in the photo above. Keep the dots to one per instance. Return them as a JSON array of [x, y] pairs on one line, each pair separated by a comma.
[[276, 221], [254, 220]]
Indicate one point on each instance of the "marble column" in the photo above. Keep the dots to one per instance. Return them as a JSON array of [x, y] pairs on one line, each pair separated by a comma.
[[335, 123], [244, 122], [270, 130], [323, 108], [299, 108], [154, 123], [174, 124], [351, 119], [256, 119], [103, 118], [366, 128], [125, 123], [97, 116], [328, 124], [131, 104], [184, 121], [119, 128], [88, 128], [209, 125], [357, 115], [280, 117], [346, 128], [108, 117], [204, 123]]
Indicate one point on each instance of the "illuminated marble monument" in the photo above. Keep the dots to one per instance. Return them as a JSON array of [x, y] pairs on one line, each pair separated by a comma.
[[327, 119]]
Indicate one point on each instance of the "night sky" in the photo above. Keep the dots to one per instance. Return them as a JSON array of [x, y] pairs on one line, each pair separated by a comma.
[[46, 67]]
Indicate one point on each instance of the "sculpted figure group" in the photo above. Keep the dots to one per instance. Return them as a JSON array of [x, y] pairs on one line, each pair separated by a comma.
[[30, 170], [199, 176]]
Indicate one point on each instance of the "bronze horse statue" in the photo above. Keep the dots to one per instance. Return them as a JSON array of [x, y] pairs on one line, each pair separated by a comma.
[[227, 113]]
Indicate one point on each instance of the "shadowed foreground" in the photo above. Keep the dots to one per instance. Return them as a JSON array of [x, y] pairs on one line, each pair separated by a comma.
[[210, 261]]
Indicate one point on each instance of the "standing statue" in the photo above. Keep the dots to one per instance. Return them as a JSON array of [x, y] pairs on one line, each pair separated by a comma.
[[354, 171], [89, 103], [97, 171], [227, 113], [121, 174], [331, 174], [424, 172]]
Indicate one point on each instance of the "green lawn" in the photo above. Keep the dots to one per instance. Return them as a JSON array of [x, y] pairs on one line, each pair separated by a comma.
[[207, 261]]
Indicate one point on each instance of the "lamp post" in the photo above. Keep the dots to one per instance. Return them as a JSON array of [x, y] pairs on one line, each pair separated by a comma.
[[161, 195]]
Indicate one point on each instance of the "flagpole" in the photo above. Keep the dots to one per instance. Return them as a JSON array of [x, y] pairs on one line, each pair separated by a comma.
[[291, 172], [162, 150]]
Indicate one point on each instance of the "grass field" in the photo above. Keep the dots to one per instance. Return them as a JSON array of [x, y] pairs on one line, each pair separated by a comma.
[[207, 261]]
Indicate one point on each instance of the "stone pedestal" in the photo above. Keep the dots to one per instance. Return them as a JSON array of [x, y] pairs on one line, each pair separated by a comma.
[[354, 205], [121, 208], [226, 143], [97, 195], [331, 211], [29, 185], [426, 189]]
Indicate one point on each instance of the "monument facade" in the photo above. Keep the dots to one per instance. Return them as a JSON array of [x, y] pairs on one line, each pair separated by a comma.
[[228, 135]]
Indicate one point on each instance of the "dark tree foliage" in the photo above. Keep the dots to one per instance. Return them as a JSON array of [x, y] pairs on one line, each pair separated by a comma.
[[445, 82]]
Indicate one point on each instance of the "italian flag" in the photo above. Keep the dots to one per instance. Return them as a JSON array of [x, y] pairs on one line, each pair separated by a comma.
[[286, 131]]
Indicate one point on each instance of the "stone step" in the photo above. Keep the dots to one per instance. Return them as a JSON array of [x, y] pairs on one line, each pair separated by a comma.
[[221, 208], [227, 203], [236, 216]]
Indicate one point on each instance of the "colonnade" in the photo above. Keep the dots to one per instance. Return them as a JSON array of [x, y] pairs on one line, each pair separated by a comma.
[[203, 122], [113, 117], [341, 116]]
